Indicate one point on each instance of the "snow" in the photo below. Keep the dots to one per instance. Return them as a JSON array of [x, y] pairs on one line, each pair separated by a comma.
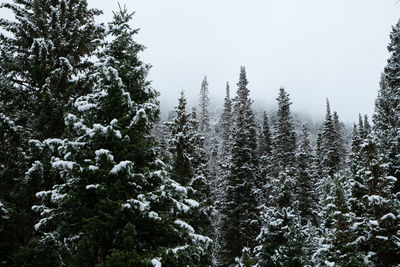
[[382, 237], [154, 215], [184, 225], [329, 264], [113, 122], [389, 215], [63, 164], [175, 250], [93, 168], [92, 186], [181, 206], [192, 203], [37, 165], [4, 211], [141, 202], [126, 206], [374, 223], [156, 262], [201, 238], [104, 152], [85, 107], [179, 188], [391, 178], [121, 166]]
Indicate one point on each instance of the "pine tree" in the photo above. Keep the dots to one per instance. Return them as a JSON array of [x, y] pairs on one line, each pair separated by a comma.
[[226, 122], [280, 238], [306, 182], [333, 243], [117, 205], [44, 56], [182, 170], [240, 224], [264, 154], [330, 143], [376, 208], [204, 119], [387, 109], [48, 50], [189, 164], [284, 136]]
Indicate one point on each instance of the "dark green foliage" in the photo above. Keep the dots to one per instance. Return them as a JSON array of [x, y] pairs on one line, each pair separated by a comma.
[[43, 53], [240, 216]]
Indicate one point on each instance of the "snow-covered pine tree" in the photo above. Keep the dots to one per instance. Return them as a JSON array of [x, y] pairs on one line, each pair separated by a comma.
[[338, 128], [204, 118], [43, 55], [331, 142], [306, 180], [264, 154], [226, 123], [376, 208], [264, 142], [189, 164], [179, 146], [367, 125], [387, 108], [284, 136], [333, 245], [220, 182], [280, 239], [117, 205], [240, 216]]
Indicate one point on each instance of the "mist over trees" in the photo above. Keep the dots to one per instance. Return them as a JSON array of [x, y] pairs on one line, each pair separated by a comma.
[[91, 176]]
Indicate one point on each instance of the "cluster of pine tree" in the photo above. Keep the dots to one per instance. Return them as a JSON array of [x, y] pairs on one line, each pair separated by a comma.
[[89, 176]]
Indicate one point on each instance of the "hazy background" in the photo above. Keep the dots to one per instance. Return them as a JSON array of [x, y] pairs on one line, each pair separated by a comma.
[[314, 48]]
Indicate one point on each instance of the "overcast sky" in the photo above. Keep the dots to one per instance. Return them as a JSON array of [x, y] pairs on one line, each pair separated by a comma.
[[314, 48]]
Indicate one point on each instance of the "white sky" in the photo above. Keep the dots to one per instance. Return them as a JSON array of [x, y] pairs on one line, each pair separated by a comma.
[[314, 48]]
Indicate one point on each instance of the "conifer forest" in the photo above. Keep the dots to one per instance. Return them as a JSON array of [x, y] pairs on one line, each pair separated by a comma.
[[92, 174]]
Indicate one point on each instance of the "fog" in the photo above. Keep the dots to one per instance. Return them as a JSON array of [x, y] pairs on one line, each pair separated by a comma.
[[316, 49]]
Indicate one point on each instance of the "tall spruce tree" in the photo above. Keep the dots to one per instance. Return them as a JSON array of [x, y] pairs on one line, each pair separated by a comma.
[[117, 205], [240, 218], [284, 136], [387, 109], [43, 57], [280, 240], [204, 118], [306, 179], [376, 208], [264, 154], [330, 143], [226, 122]]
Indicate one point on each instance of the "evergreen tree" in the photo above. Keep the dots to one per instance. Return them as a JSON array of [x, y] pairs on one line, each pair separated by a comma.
[[204, 119], [284, 136], [333, 244], [240, 223], [376, 208], [226, 122], [44, 56], [330, 143], [280, 241], [47, 51], [387, 109], [264, 151], [117, 205], [189, 164], [306, 184], [265, 146], [280, 238]]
